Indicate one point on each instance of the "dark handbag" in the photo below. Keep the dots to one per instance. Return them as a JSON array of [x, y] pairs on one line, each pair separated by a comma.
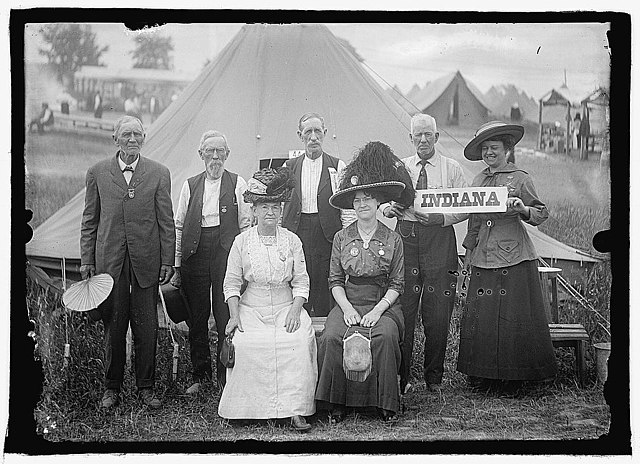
[[228, 353]]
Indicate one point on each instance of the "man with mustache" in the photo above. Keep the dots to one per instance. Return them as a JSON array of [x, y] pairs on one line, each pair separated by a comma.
[[430, 253], [309, 214], [211, 212], [127, 232]]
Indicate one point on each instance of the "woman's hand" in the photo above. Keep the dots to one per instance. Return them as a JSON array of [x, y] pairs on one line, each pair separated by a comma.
[[370, 319], [350, 316], [233, 324], [292, 322], [517, 205]]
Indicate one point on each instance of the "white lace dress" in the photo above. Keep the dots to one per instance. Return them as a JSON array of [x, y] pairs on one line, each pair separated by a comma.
[[275, 372]]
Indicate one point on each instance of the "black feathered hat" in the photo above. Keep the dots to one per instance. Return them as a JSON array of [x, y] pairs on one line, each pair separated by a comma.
[[270, 185], [375, 169]]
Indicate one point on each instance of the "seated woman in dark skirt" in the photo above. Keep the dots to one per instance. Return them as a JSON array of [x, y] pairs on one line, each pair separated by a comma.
[[504, 333], [366, 277]]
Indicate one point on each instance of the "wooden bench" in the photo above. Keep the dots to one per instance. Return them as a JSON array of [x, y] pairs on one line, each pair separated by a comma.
[[318, 324], [563, 335], [82, 122]]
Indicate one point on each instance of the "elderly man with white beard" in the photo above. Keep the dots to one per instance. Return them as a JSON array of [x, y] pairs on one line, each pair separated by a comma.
[[211, 212]]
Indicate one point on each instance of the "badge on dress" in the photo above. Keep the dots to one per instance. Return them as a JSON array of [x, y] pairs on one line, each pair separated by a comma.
[[354, 251], [132, 193], [223, 209]]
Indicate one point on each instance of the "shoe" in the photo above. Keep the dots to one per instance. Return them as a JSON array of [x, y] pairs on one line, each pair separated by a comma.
[[300, 424], [193, 389], [110, 398], [148, 397], [388, 416], [434, 387], [336, 416]]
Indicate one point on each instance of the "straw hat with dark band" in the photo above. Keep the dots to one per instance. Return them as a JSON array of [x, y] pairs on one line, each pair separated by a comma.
[[487, 131], [376, 171]]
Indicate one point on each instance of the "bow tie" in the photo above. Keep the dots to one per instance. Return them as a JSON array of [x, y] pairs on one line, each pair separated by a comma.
[[127, 168]]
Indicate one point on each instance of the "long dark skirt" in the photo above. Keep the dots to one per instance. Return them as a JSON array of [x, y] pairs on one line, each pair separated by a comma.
[[504, 332], [380, 389]]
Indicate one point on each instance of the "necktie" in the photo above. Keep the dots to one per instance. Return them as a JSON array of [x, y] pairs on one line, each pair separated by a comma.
[[422, 178], [127, 168]]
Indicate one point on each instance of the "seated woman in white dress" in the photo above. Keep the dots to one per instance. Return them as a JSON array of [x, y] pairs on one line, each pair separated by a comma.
[[275, 369]]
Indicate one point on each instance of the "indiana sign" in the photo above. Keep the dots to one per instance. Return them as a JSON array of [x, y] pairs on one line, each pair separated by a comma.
[[462, 200]]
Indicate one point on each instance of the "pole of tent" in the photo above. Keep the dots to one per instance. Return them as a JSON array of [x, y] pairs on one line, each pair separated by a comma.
[[539, 144]]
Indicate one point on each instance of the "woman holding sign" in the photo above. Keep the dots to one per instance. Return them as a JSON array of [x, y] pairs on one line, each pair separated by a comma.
[[504, 333]]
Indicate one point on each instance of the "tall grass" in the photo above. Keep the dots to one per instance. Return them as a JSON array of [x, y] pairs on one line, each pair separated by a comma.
[[56, 164]]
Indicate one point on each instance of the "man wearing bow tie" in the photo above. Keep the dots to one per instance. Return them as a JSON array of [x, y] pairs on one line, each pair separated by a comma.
[[127, 232], [211, 212]]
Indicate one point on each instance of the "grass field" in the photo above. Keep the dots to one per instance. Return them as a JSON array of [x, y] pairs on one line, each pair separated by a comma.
[[578, 197]]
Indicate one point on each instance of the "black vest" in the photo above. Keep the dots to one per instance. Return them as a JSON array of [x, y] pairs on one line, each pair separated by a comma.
[[228, 213], [329, 216]]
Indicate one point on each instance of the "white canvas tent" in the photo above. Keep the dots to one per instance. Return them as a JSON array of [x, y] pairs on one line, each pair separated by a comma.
[[255, 91]]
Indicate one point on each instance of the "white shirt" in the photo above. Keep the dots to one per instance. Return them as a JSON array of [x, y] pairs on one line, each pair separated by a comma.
[[309, 181], [434, 168], [210, 209], [127, 174], [310, 178]]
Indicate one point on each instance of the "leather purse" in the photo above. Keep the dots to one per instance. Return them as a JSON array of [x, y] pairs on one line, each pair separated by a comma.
[[227, 353]]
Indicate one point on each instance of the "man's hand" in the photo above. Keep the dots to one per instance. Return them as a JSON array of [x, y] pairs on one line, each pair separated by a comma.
[[429, 219], [166, 272], [176, 280], [87, 270], [394, 210]]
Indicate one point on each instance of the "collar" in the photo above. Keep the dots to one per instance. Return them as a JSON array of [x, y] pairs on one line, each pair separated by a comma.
[[123, 165], [381, 234], [433, 161], [315, 161], [510, 167]]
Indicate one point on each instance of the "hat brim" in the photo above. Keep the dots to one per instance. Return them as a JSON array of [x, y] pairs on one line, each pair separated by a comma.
[[473, 151], [250, 197], [388, 190], [175, 302]]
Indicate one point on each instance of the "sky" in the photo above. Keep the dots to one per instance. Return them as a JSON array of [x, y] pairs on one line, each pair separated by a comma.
[[534, 57]]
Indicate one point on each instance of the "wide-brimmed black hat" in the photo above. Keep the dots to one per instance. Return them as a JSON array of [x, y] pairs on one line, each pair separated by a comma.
[[487, 131], [270, 185], [376, 170]]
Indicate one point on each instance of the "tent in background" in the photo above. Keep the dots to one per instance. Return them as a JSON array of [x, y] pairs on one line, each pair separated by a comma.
[[255, 91], [453, 101]]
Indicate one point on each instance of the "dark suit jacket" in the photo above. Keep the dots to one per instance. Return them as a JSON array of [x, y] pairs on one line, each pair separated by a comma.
[[329, 216], [112, 221]]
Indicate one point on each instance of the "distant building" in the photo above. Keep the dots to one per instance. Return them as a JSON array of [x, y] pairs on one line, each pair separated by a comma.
[[116, 85]]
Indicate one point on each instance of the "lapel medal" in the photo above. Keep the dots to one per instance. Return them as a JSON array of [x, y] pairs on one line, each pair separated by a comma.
[[353, 251], [223, 209], [132, 193], [381, 252]]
